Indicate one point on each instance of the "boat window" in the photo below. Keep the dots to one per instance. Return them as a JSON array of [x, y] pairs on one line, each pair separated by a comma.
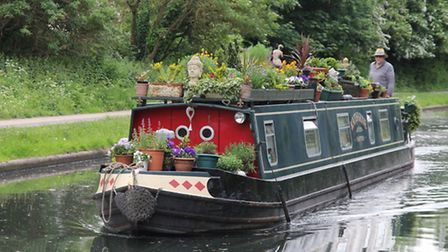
[[312, 138], [271, 145], [345, 136], [384, 125], [370, 127], [207, 133], [181, 132]]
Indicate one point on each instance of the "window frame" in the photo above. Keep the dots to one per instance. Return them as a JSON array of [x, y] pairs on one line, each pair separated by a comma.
[[312, 120], [369, 114], [381, 120], [266, 135], [348, 128]]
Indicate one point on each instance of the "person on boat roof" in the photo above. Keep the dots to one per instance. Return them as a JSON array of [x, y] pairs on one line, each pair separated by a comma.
[[382, 71]]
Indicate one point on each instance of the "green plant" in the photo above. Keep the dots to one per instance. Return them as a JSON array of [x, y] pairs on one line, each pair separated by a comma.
[[229, 163], [332, 63], [173, 73], [316, 62], [122, 147], [147, 140], [228, 88], [411, 115], [206, 148], [245, 152], [259, 53]]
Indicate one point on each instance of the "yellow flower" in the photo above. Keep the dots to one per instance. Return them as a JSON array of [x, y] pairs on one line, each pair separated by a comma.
[[173, 66], [157, 65]]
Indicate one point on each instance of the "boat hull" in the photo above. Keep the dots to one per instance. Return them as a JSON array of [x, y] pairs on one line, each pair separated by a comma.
[[241, 203]]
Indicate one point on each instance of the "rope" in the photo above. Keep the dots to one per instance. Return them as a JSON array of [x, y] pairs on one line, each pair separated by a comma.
[[109, 171]]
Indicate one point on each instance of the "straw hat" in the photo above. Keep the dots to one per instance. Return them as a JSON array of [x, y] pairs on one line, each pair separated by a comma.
[[380, 52]]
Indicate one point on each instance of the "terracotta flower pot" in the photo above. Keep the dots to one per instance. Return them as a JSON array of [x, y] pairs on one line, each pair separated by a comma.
[[124, 159], [156, 159], [141, 88], [183, 164], [317, 95], [364, 92]]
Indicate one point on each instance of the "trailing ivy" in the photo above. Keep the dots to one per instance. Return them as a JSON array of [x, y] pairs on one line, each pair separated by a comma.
[[411, 115]]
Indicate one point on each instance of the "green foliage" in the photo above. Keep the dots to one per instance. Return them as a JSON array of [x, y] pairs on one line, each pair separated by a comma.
[[56, 86], [259, 54], [411, 115], [206, 148], [244, 152], [228, 88], [147, 139], [60, 139], [229, 163]]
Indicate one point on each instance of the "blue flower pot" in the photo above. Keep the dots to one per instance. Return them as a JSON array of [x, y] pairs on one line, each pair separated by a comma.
[[206, 160]]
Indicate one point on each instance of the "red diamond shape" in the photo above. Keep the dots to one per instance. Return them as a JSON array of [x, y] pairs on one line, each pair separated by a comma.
[[102, 182], [199, 186], [174, 183], [111, 182], [187, 184]]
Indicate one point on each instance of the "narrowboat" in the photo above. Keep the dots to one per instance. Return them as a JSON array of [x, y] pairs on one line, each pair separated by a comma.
[[308, 154]]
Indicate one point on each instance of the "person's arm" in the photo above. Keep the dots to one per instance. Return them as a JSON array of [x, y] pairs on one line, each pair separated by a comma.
[[390, 75]]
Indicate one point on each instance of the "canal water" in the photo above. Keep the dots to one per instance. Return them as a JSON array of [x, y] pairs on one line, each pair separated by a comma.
[[408, 212]]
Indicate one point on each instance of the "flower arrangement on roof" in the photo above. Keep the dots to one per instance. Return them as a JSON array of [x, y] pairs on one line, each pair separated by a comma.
[[172, 73]]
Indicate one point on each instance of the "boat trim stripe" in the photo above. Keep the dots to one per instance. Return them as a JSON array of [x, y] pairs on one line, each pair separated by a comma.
[[324, 109]]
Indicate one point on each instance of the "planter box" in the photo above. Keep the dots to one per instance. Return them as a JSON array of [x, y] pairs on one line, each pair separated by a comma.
[[165, 90], [281, 95], [328, 95], [350, 88]]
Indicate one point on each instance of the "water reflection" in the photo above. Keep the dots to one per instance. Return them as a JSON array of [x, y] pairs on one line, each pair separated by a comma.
[[404, 213]]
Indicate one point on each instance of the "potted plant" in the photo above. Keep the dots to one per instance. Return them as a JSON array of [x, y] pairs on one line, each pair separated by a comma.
[[332, 91], [148, 143], [141, 85], [206, 155], [123, 151], [183, 156], [229, 163], [365, 87], [141, 160], [167, 81], [245, 152]]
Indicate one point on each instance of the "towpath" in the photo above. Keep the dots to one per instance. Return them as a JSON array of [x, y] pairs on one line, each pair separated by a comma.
[[48, 120]]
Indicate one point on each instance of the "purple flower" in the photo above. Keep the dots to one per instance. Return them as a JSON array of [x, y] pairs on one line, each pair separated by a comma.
[[190, 151], [177, 151], [170, 144]]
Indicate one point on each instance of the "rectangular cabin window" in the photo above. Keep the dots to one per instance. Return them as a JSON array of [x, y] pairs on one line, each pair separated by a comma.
[[312, 138], [345, 136], [370, 127], [271, 144], [384, 125]]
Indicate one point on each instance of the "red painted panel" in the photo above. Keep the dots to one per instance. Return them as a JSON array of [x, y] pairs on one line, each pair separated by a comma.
[[226, 130]]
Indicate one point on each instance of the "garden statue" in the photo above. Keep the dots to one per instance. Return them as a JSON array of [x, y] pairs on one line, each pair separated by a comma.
[[194, 67], [345, 63], [276, 54]]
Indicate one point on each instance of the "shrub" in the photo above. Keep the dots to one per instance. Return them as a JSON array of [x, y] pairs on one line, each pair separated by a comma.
[[244, 152], [229, 163], [206, 148]]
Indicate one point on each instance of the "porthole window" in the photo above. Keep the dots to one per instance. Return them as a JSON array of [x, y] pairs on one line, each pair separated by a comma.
[[345, 134], [370, 127], [271, 144], [384, 125], [312, 138], [181, 132], [207, 133]]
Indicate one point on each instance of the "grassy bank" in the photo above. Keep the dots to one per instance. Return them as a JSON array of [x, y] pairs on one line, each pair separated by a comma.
[[32, 87], [426, 99], [58, 139]]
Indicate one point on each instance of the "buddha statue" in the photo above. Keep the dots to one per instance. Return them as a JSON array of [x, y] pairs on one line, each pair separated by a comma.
[[345, 63], [194, 67]]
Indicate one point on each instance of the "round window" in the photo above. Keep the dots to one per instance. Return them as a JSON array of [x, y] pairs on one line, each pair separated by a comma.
[[207, 133], [181, 132]]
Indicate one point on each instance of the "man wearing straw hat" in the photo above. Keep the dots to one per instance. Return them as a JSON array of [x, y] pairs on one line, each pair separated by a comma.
[[382, 71]]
